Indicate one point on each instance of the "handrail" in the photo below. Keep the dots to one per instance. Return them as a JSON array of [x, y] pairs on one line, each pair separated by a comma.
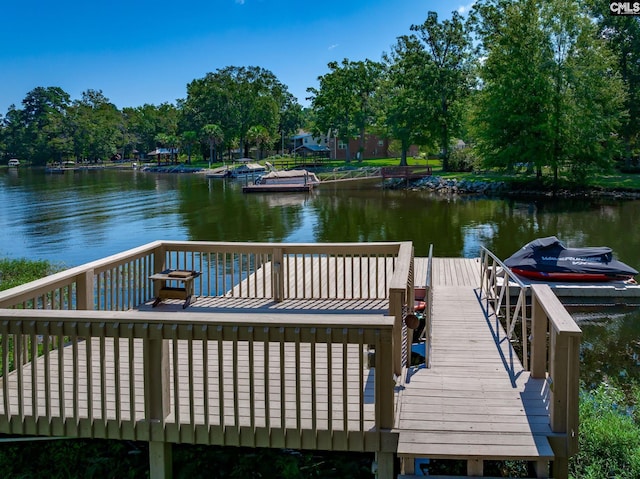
[[401, 299], [496, 281], [232, 377], [555, 350], [428, 311], [71, 345], [415, 171], [247, 270], [360, 173], [554, 343]]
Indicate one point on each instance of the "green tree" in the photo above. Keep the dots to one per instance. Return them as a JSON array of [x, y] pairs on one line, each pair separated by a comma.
[[512, 109], [96, 125], [13, 134], [343, 102], [588, 105], [447, 47], [623, 36], [236, 98], [292, 117], [259, 136], [41, 122], [550, 93], [188, 139], [401, 106], [214, 136], [144, 123]]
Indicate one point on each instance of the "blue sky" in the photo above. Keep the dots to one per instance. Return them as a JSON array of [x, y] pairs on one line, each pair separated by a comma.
[[147, 51]]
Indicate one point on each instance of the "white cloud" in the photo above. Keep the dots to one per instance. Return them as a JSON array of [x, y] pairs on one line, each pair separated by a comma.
[[463, 9], [331, 47]]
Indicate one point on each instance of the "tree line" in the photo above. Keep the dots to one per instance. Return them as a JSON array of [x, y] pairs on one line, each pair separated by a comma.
[[551, 85]]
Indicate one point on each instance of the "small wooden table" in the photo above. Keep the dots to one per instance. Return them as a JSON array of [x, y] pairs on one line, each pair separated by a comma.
[[174, 284]]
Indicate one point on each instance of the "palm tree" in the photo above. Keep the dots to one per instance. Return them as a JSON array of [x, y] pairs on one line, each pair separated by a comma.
[[259, 135], [188, 139], [214, 135]]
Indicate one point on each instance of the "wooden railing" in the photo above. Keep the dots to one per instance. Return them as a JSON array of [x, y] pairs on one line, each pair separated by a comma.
[[428, 310], [498, 286], [401, 298], [197, 378], [555, 356], [242, 270], [78, 360], [359, 173], [550, 344]]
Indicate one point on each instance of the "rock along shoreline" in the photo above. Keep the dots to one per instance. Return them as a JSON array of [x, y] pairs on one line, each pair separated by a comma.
[[452, 186]]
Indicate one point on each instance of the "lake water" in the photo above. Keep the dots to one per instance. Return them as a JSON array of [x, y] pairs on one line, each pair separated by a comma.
[[78, 217]]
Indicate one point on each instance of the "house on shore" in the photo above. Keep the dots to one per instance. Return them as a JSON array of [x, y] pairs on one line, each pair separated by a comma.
[[305, 144]]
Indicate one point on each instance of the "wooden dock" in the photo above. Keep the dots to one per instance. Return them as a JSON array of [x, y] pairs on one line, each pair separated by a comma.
[[476, 401], [304, 349]]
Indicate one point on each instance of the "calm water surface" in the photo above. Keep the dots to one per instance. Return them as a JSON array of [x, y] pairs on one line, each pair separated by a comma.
[[79, 217]]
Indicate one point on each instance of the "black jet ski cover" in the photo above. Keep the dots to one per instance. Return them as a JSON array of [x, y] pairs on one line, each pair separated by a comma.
[[549, 255]]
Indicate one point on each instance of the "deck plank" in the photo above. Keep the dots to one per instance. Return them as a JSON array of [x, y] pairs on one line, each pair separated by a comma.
[[476, 400]]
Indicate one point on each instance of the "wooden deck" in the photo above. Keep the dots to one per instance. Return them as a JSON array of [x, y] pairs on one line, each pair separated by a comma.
[[476, 401], [310, 361]]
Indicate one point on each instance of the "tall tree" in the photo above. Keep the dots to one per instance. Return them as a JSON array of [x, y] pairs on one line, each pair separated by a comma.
[[259, 136], [41, 118], [512, 116], [97, 126], [402, 111], [236, 98], [550, 93], [447, 45], [343, 101], [144, 123], [188, 139], [214, 136], [623, 36]]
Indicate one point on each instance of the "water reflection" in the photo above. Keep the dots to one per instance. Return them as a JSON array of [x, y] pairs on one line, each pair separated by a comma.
[[610, 344]]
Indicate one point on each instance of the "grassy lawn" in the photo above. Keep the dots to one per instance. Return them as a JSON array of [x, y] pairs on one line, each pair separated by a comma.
[[614, 180]]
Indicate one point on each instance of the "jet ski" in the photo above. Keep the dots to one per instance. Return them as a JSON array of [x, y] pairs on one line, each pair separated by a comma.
[[548, 259]]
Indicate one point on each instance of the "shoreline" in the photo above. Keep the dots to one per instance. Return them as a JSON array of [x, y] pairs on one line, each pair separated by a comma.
[[444, 187]]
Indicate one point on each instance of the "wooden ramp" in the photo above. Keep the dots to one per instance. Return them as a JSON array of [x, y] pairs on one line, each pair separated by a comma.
[[476, 402]]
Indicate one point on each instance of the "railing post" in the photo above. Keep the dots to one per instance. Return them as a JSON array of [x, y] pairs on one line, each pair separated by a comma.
[[539, 326], [277, 276], [396, 302], [157, 405], [84, 291], [159, 264], [563, 361], [384, 382]]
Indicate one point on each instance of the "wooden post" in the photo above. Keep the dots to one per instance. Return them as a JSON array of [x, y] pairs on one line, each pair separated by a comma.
[[160, 460], [157, 405], [558, 361], [84, 291], [277, 276], [560, 468], [395, 309], [384, 382], [159, 265], [539, 326], [384, 463], [475, 467], [573, 395]]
